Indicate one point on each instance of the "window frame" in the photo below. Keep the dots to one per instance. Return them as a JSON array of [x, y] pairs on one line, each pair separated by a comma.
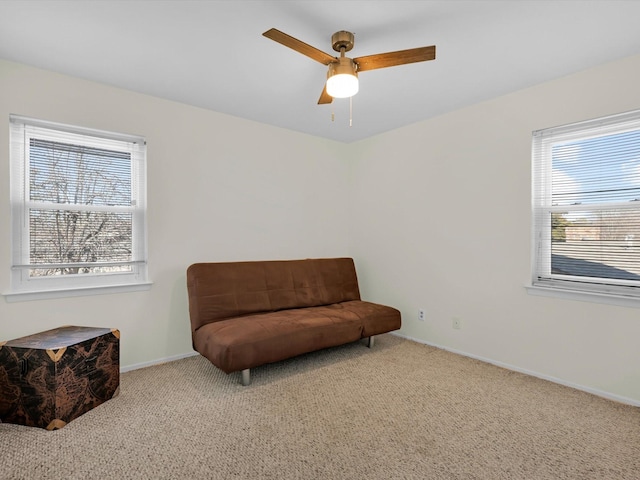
[[26, 287], [543, 281]]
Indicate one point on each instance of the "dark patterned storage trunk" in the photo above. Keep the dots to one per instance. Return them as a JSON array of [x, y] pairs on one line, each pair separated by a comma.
[[50, 378]]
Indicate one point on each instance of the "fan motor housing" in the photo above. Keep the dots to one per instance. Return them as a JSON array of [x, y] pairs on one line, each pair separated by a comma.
[[342, 39]]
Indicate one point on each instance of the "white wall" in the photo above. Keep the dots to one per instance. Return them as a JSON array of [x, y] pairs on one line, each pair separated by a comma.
[[219, 189], [441, 221], [437, 215]]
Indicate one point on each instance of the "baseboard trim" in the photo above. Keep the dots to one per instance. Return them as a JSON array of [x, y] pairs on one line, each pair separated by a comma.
[[594, 391], [158, 361]]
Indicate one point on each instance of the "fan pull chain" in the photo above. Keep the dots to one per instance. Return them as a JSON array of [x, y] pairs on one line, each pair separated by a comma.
[[333, 113], [351, 111]]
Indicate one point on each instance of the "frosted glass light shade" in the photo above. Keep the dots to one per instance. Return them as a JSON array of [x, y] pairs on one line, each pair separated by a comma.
[[342, 79], [342, 85]]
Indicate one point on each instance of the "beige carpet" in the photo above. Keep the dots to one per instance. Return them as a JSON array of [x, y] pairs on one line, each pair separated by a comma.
[[400, 411]]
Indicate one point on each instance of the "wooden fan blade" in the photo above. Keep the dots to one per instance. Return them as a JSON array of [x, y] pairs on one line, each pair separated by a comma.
[[299, 46], [325, 97], [391, 59]]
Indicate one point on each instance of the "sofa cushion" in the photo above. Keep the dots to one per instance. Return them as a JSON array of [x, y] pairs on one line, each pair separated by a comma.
[[376, 319], [218, 291], [246, 342]]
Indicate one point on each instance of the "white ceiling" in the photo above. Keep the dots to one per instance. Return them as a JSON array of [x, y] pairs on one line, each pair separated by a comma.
[[211, 53]]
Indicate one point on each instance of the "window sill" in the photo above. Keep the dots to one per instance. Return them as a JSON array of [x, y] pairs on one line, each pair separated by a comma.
[[582, 296], [74, 292]]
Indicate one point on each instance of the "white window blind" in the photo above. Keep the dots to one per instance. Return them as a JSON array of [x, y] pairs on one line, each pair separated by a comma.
[[586, 206], [78, 200]]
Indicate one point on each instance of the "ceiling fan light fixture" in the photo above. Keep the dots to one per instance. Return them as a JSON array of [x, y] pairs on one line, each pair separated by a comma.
[[342, 79], [342, 76]]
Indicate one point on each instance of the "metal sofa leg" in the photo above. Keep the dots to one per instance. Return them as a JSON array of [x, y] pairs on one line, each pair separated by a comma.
[[371, 341], [246, 377]]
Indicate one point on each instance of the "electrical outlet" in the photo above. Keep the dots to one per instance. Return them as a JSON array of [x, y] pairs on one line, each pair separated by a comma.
[[421, 315], [456, 323]]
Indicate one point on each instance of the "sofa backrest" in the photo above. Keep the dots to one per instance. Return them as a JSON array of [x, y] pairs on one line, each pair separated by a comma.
[[218, 291]]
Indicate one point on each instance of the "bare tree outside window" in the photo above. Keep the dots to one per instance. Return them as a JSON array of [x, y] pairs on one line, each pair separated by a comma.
[[78, 210], [75, 192]]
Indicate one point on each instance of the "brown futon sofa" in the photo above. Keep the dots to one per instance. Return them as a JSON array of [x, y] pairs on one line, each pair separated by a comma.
[[246, 314]]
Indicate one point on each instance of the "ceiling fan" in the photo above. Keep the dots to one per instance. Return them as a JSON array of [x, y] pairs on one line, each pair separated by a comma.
[[342, 77]]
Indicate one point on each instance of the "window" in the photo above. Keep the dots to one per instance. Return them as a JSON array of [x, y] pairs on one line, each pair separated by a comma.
[[78, 200], [586, 206]]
